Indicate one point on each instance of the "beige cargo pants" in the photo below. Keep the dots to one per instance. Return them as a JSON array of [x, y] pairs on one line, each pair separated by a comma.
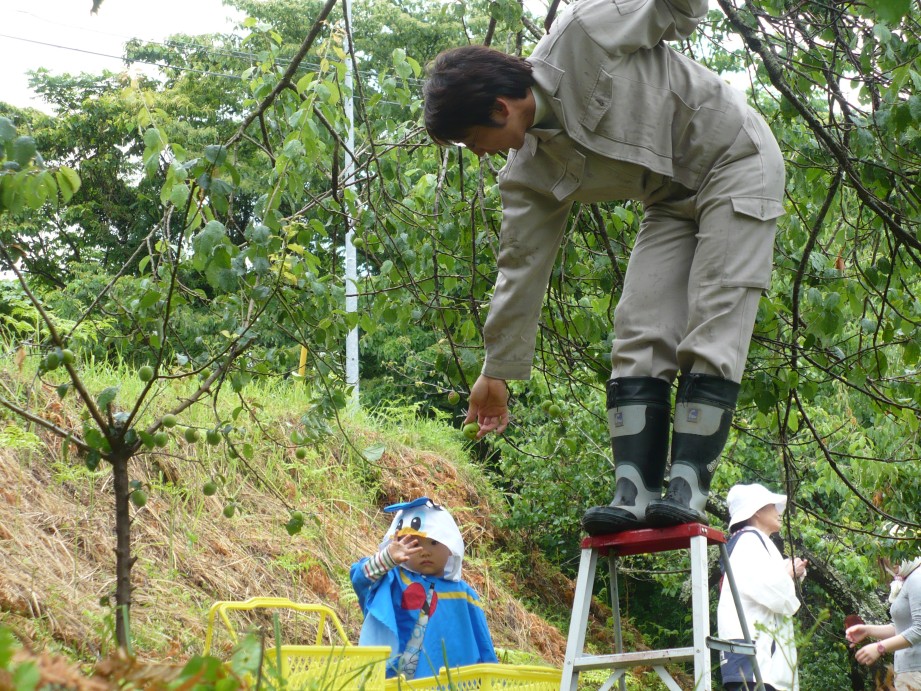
[[699, 266]]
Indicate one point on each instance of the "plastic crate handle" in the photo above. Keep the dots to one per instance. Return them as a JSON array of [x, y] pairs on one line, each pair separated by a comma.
[[222, 607]]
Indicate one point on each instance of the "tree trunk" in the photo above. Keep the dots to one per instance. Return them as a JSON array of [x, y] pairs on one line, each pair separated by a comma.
[[123, 559]]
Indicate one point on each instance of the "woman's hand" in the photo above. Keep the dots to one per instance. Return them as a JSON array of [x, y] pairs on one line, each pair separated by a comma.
[[868, 654], [855, 634], [796, 568], [488, 405]]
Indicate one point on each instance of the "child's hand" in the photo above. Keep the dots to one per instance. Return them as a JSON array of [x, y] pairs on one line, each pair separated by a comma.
[[401, 549]]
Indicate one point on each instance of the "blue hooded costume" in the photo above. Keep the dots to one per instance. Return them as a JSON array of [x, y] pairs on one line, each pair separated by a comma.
[[429, 622]]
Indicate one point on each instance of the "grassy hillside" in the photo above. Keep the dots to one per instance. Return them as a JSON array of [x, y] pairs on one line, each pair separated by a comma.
[[56, 526]]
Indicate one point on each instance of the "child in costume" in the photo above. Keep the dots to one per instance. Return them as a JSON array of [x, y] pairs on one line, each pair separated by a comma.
[[413, 598]]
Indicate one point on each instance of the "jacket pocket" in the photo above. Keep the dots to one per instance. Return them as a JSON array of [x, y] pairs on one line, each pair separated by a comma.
[[631, 110], [540, 170]]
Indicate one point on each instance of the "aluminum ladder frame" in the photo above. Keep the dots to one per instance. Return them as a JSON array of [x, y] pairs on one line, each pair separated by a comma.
[[695, 537]]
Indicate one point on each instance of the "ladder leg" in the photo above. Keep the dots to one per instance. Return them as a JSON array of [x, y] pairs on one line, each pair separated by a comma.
[[667, 678], [700, 612], [617, 677], [575, 642], [615, 608], [730, 579]]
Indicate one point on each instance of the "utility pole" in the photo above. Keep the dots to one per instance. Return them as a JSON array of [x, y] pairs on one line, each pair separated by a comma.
[[351, 266]]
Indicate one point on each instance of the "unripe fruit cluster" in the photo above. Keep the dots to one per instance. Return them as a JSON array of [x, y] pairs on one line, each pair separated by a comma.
[[56, 358]]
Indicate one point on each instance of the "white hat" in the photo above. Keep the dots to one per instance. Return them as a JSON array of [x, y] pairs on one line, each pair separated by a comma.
[[744, 501]]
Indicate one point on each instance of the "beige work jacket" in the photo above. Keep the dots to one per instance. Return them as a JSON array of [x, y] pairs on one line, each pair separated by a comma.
[[619, 92]]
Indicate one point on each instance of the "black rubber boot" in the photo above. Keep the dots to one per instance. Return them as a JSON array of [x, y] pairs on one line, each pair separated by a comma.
[[638, 417], [703, 414]]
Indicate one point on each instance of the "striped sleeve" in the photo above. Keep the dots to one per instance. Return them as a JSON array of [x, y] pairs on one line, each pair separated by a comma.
[[378, 565]]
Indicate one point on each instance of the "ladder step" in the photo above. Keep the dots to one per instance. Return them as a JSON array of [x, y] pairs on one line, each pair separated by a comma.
[[640, 657], [739, 647]]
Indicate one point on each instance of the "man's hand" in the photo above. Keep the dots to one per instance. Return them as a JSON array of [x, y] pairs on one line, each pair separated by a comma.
[[488, 405]]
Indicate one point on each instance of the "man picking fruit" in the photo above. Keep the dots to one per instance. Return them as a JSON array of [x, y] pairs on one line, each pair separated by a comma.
[[604, 110]]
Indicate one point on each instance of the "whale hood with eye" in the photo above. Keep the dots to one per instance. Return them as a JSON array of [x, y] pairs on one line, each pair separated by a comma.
[[424, 518]]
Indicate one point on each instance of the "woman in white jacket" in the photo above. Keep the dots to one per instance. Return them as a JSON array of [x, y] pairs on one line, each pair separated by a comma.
[[765, 581]]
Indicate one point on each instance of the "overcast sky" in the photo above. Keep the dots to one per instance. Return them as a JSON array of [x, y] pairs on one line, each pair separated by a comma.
[[62, 35]]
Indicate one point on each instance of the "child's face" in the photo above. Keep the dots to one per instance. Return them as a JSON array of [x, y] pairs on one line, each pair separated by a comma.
[[431, 559]]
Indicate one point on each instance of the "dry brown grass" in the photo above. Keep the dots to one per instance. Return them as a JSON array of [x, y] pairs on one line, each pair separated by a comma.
[[57, 541]]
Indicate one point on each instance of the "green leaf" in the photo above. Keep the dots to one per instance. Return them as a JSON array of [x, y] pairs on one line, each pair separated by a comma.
[[221, 278], [403, 69], [68, 182], [891, 11], [95, 439], [48, 185], [23, 150], [106, 396], [178, 194], [374, 453], [146, 439], [8, 642], [153, 139], [9, 192], [247, 656], [203, 243], [7, 134], [914, 107], [26, 676], [150, 298], [216, 154]]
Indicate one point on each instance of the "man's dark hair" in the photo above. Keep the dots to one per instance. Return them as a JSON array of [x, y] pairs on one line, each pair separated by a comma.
[[462, 86]]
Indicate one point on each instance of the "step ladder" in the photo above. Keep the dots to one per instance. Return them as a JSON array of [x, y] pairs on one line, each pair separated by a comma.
[[695, 537]]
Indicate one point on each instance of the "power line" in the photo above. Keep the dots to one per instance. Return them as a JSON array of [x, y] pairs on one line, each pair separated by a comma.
[[122, 58], [173, 44], [160, 65], [168, 43]]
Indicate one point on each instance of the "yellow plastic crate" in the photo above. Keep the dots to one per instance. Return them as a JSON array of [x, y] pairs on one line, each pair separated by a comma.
[[485, 677], [328, 663], [331, 668]]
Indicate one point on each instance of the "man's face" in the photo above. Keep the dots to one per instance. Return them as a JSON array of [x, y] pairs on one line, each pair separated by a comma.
[[512, 117], [486, 141]]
